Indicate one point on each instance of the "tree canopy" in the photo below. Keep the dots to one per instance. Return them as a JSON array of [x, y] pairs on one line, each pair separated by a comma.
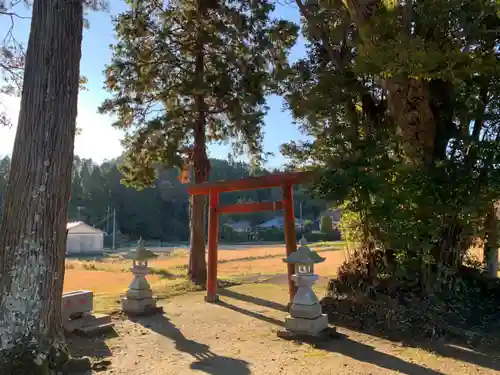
[[401, 99], [11, 57], [155, 84]]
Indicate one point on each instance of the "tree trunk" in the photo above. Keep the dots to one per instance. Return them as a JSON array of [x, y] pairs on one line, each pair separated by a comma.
[[491, 243], [197, 263], [33, 230], [409, 104]]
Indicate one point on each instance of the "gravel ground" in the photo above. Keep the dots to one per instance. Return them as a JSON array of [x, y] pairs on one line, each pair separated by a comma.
[[238, 337]]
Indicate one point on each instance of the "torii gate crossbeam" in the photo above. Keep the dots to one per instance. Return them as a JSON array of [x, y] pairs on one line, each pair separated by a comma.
[[213, 190]]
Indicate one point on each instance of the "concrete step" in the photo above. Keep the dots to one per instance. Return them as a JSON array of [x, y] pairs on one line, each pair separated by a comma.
[[87, 321], [91, 330]]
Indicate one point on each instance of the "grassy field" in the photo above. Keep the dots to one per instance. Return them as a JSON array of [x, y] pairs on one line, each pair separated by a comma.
[[110, 276]]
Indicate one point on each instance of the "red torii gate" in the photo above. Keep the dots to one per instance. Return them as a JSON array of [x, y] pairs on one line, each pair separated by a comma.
[[213, 190]]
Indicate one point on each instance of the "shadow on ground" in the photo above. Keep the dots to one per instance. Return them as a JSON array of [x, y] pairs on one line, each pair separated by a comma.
[[205, 360], [480, 355], [251, 299], [466, 349], [365, 353], [95, 346]]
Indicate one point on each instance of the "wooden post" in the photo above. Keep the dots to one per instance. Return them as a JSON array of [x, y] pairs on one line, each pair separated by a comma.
[[213, 239], [290, 235]]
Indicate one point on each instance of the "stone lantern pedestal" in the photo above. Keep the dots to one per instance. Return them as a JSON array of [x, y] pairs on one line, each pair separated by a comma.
[[306, 316], [139, 297], [306, 319]]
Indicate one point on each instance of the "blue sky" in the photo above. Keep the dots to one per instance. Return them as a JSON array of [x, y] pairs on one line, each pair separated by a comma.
[[98, 140]]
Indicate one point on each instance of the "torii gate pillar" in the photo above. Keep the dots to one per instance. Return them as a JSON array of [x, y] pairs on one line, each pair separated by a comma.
[[213, 190]]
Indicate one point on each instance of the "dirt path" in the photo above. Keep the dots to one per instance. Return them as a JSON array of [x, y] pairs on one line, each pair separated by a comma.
[[238, 337]]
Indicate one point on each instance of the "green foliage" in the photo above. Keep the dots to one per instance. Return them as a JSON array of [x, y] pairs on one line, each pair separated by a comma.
[[308, 226], [402, 107], [326, 224], [12, 50], [279, 236], [160, 91], [351, 227], [159, 213], [11, 56]]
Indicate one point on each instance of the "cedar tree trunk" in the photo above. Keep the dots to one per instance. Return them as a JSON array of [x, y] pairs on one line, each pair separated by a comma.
[[197, 263], [33, 230]]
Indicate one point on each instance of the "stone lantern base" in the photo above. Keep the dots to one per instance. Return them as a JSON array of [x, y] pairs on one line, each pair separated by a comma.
[[304, 326], [304, 329], [139, 299], [139, 306]]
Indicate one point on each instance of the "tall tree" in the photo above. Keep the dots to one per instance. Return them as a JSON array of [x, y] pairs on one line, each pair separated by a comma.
[[401, 98], [187, 73], [33, 230]]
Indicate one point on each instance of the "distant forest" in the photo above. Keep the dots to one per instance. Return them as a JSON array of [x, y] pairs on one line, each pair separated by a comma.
[[159, 213]]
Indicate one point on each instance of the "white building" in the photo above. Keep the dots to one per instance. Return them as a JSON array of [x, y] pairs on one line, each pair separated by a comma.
[[83, 238]]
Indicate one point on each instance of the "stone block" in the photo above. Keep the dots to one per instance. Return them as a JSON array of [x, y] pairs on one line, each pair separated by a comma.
[[309, 327], [327, 334], [86, 322], [139, 282], [139, 293], [95, 330], [137, 306], [77, 303], [306, 311]]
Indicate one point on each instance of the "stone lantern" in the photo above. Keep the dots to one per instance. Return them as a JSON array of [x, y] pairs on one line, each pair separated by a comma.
[[306, 317], [139, 297]]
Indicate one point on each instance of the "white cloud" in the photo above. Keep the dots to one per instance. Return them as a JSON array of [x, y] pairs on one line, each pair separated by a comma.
[[97, 139]]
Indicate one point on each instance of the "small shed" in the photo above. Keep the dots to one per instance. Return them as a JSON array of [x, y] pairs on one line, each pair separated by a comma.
[[82, 238]]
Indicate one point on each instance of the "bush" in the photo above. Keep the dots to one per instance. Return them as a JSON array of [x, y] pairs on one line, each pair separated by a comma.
[[326, 225], [351, 228], [279, 236], [227, 234], [335, 235]]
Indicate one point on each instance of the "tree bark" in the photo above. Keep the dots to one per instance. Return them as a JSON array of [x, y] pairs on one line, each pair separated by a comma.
[[491, 243], [197, 263], [33, 230]]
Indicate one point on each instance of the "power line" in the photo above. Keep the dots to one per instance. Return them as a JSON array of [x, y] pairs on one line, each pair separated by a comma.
[[108, 216]]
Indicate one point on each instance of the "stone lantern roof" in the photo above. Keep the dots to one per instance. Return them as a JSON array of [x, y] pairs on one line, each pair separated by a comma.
[[141, 254], [304, 255]]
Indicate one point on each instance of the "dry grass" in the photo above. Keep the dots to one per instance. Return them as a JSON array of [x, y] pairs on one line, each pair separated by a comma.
[[99, 281], [265, 260], [109, 278]]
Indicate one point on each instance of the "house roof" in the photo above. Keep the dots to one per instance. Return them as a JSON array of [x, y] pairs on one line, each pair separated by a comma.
[[277, 222], [243, 224], [81, 227]]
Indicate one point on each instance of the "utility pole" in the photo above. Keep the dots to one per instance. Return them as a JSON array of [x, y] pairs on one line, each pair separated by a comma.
[[114, 229], [300, 209], [107, 221], [79, 210]]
